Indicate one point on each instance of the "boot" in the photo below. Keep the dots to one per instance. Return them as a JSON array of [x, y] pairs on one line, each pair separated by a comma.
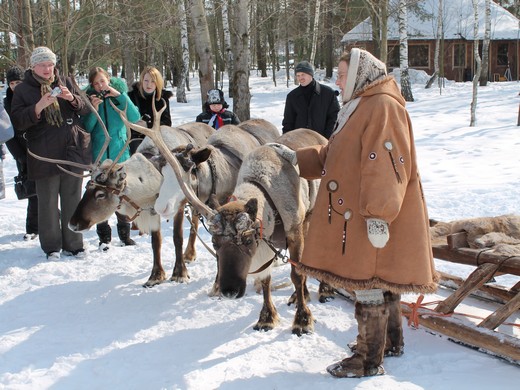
[[366, 361], [394, 330], [104, 233], [123, 231]]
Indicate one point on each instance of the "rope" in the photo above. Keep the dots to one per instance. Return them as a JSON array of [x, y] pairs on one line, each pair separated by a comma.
[[187, 215]]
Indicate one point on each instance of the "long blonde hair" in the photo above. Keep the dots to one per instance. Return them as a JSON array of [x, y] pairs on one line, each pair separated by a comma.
[[157, 79]]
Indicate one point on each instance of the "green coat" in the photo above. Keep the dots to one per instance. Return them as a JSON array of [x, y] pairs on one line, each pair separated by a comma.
[[115, 126]]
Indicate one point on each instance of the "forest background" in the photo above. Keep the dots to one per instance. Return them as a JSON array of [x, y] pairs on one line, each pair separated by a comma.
[[206, 36]]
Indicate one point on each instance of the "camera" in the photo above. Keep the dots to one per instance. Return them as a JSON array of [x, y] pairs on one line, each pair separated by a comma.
[[102, 94], [56, 91]]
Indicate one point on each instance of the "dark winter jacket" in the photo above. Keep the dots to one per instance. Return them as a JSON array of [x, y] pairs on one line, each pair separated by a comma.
[[113, 122], [319, 114], [228, 117], [44, 139], [144, 105], [17, 145]]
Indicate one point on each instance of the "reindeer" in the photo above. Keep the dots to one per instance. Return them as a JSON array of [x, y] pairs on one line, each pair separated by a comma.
[[212, 170], [270, 208], [130, 188]]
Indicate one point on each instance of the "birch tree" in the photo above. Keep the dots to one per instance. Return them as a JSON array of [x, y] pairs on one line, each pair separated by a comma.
[[315, 31], [228, 53], [476, 77], [240, 45], [406, 88], [203, 47], [185, 50], [439, 39], [485, 46]]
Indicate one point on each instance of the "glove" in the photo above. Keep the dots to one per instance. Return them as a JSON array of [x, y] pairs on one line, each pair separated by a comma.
[[284, 151], [378, 233]]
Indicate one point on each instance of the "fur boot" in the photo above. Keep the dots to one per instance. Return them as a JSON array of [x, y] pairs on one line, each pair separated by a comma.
[[394, 330], [366, 361], [123, 231]]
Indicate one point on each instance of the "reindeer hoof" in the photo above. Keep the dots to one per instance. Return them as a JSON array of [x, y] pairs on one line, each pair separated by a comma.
[[264, 327], [180, 279], [150, 283], [301, 330]]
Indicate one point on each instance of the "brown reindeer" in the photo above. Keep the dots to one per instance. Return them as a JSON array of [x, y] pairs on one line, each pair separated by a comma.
[[271, 211], [131, 188]]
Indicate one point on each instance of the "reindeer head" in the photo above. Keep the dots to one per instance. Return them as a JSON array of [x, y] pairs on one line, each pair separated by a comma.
[[235, 234], [101, 197]]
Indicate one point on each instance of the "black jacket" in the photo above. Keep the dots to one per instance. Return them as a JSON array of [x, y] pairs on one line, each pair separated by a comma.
[[319, 114], [17, 145], [144, 105], [44, 139]]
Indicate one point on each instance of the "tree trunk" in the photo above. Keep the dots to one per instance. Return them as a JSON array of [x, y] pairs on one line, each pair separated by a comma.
[[228, 53], [484, 77], [476, 77], [184, 74], [406, 88], [202, 47], [315, 31], [240, 45]]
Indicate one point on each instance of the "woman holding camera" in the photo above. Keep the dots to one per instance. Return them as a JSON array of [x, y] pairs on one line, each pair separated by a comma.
[[50, 125], [102, 90]]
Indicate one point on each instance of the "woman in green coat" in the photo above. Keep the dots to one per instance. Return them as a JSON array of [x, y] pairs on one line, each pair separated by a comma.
[[101, 91]]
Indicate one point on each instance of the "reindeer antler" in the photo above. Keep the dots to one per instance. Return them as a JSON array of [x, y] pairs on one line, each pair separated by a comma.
[[155, 135]]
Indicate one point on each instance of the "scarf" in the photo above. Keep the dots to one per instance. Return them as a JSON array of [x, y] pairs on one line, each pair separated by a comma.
[[220, 121], [363, 70], [52, 112]]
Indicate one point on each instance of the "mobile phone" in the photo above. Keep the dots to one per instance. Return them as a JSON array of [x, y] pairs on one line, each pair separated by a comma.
[[56, 91]]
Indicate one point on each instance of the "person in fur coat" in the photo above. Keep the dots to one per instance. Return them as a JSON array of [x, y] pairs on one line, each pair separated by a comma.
[[369, 231], [150, 82], [101, 90]]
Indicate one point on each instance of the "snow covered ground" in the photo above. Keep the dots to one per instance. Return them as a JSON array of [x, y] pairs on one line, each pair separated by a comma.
[[89, 323]]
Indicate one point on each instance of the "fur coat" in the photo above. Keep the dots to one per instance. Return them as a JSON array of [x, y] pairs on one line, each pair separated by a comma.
[[369, 170]]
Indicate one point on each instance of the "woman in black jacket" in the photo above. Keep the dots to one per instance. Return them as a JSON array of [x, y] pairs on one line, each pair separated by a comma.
[[142, 94]]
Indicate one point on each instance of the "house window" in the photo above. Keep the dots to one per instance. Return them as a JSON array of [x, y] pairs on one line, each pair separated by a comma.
[[459, 55], [419, 56], [502, 58]]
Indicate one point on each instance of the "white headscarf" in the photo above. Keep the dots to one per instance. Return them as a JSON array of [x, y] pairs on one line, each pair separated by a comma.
[[363, 70]]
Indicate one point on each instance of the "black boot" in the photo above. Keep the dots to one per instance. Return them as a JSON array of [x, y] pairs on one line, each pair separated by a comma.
[[123, 230], [104, 233], [394, 330]]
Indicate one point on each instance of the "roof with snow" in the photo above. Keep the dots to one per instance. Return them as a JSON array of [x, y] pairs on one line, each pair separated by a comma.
[[458, 22]]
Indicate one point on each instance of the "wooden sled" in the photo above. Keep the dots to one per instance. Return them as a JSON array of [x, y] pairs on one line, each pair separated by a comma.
[[482, 336]]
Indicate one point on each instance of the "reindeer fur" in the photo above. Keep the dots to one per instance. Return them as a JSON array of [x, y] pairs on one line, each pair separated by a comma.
[[271, 186], [140, 181], [227, 149]]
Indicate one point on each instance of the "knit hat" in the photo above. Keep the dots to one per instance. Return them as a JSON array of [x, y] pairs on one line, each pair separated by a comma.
[[14, 73], [304, 67], [215, 96], [42, 54]]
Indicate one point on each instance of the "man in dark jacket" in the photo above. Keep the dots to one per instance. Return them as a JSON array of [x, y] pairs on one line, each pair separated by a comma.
[[311, 105], [18, 148], [47, 108]]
